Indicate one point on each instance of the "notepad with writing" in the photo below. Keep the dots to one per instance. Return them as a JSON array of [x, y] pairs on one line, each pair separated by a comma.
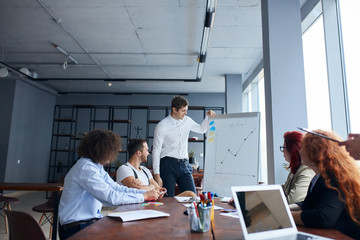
[[138, 215]]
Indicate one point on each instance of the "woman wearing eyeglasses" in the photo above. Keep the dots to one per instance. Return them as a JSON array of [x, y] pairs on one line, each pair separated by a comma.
[[298, 180], [333, 199]]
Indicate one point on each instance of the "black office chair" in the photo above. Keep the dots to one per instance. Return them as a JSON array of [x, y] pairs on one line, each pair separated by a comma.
[[23, 226], [6, 206], [47, 210]]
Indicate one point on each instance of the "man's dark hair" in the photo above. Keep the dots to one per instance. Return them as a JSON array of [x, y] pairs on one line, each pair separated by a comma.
[[179, 102], [100, 146], [135, 145]]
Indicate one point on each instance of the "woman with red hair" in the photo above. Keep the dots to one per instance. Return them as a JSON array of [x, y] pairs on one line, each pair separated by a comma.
[[298, 180], [333, 199]]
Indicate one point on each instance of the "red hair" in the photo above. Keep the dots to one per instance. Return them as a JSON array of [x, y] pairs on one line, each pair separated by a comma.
[[335, 164], [293, 144]]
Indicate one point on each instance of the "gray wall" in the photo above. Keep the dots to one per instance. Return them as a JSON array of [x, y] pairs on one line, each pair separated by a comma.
[[7, 89], [233, 85], [30, 133]]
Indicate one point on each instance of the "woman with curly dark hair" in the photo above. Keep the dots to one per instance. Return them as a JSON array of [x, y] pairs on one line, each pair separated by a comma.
[[88, 186], [300, 175], [333, 198]]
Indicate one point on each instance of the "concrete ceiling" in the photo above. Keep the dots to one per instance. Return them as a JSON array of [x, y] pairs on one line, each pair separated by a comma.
[[134, 39]]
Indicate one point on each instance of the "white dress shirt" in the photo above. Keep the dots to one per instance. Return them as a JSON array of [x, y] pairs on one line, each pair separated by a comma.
[[87, 187], [171, 138]]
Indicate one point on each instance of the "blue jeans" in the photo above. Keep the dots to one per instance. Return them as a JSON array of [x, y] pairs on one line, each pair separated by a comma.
[[177, 171]]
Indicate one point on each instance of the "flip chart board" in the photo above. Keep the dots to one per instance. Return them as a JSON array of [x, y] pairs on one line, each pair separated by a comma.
[[232, 152]]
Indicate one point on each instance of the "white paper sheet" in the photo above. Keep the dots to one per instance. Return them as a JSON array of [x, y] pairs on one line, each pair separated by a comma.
[[225, 199], [138, 215], [233, 215]]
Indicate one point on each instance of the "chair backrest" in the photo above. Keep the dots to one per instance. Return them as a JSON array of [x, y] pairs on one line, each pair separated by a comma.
[[51, 201], [23, 226]]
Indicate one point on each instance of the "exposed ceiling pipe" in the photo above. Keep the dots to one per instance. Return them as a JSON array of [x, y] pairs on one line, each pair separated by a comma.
[[26, 79], [123, 93], [21, 74], [117, 79], [17, 72]]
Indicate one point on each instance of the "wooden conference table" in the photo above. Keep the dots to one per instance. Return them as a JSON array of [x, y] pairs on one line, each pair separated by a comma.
[[51, 187], [174, 227]]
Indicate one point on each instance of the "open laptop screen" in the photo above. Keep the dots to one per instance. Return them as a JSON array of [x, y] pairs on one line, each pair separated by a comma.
[[263, 210]]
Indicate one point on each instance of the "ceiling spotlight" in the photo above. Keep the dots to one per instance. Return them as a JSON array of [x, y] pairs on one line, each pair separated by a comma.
[[109, 84], [25, 70], [3, 72], [65, 65]]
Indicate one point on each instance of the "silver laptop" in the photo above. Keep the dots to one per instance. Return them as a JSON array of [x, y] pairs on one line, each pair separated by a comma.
[[264, 213]]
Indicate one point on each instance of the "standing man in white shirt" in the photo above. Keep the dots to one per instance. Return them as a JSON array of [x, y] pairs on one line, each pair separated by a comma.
[[170, 147]]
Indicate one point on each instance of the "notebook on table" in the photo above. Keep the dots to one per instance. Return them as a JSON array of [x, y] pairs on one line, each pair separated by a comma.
[[138, 215], [265, 214]]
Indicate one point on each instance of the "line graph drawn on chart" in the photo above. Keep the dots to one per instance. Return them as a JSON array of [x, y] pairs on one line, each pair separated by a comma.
[[233, 157], [235, 154]]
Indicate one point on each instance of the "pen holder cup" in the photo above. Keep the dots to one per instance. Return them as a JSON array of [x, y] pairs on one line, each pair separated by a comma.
[[199, 218]]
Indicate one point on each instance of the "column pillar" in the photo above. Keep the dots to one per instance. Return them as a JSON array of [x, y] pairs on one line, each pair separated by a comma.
[[285, 98], [233, 93]]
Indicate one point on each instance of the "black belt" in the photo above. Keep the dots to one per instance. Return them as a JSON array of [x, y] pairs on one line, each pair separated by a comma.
[[183, 160], [73, 224], [178, 159]]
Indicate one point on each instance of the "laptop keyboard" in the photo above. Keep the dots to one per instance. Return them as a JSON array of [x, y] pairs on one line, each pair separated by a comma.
[[298, 236]]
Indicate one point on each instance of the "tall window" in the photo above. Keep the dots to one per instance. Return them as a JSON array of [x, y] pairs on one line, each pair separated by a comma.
[[349, 12], [258, 106], [246, 99], [263, 150], [316, 81]]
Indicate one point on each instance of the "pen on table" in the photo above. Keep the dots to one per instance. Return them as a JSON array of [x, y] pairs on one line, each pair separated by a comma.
[[212, 230], [228, 210]]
